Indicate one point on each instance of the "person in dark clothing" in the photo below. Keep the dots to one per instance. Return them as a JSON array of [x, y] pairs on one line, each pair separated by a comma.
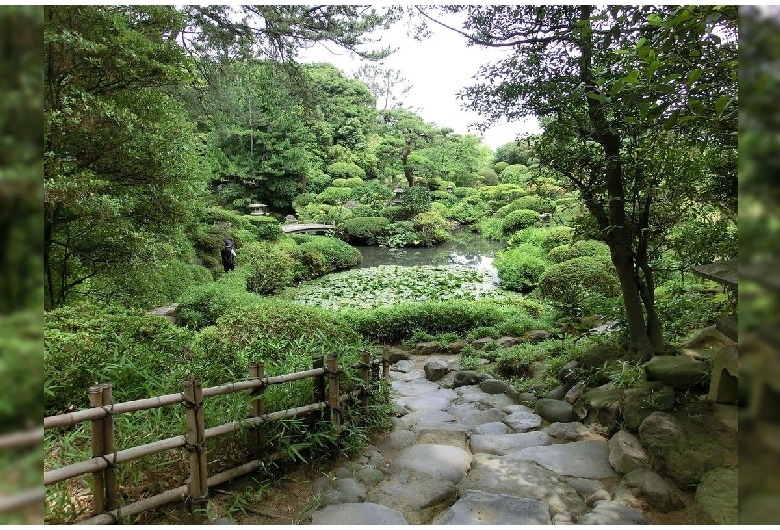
[[228, 256]]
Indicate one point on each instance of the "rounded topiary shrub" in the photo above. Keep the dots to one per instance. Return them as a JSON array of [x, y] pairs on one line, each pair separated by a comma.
[[345, 170], [365, 230], [571, 282], [338, 254], [585, 247], [555, 236], [335, 195], [520, 267], [264, 227], [519, 219], [201, 305]]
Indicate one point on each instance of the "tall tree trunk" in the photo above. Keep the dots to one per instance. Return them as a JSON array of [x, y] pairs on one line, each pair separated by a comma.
[[408, 173]]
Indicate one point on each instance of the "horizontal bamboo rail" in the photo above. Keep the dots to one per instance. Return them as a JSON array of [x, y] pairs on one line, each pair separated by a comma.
[[106, 458], [15, 440]]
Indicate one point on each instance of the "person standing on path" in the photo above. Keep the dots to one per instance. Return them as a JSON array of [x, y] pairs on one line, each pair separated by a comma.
[[228, 256]]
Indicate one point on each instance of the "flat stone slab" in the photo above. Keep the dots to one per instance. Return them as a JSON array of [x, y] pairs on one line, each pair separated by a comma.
[[475, 395], [584, 459], [362, 513], [424, 401], [414, 387], [571, 431], [443, 437], [501, 444], [471, 415], [426, 417], [608, 512], [439, 461], [521, 478], [495, 427], [413, 494], [716, 497], [478, 507], [523, 421]]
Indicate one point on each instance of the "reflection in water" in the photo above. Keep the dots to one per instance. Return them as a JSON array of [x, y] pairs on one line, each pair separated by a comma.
[[465, 248]]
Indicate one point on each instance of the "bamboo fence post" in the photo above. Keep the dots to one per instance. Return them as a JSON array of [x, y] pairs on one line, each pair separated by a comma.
[[319, 390], [333, 390], [257, 371], [196, 441], [366, 376], [386, 366], [109, 447], [96, 439]]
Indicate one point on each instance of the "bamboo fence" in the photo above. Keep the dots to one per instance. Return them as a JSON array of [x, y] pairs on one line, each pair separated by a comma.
[[21, 499], [105, 456]]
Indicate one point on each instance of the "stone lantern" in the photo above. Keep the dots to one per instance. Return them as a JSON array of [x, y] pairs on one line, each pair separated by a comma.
[[449, 188], [398, 192], [257, 208]]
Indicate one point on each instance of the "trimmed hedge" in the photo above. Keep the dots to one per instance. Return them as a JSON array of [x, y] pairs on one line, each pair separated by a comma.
[[366, 230], [520, 267]]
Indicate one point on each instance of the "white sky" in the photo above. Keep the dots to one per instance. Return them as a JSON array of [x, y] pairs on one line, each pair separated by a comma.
[[437, 69]]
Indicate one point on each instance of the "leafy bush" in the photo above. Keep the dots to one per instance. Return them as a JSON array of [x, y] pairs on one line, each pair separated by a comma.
[[432, 227], [515, 174], [520, 267], [402, 234], [466, 211], [317, 212], [303, 199], [317, 182], [585, 247], [21, 369], [519, 219], [283, 335], [141, 355], [264, 227], [368, 230], [555, 236], [571, 283], [416, 199], [268, 268], [372, 193], [491, 228], [345, 170], [338, 254], [488, 177], [201, 305], [500, 166], [334, 195]]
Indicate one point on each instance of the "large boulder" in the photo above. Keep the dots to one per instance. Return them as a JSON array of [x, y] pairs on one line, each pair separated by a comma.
[[674, 454], [602, 405], [468, 378], [569, 373], [435, 370], [651, 488], [716, 497], [681, 372], [396, 354], [626, 453], [640, 401], [553, 410], [427, 348]]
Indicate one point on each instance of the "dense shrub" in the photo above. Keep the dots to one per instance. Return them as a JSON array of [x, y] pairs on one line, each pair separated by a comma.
[[555, 236], [491, 228], [367, 230], [571, 283], [264, 227], [372, 193], [317, 212], [140, 354], [345, 170], [317, 182], [466, 211], [282, 335], [201, 305], [519, 219], [402, 234], [21, 370], [529, 202], [303, 199], [416, 199], [515, 174], [432, 227], [334, 195], [267, 268], [585, 247], [500, 166], [488, 177], [520, 267], [395, 213], [338, 254]]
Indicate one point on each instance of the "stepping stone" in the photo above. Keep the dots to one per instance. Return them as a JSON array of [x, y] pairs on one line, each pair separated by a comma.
[[363, 513], [478, 507], [553, 410], [404, 366], [470, 414], [584, 459], [609, 512], [571, 431], [585, 486], [414, 495], [653, 489], [446, 437], [501, 444], [521, 478], [414, 388], [439, 461], [496, 427], [424, 418], [716, 497], [424, 401], [523, 421]]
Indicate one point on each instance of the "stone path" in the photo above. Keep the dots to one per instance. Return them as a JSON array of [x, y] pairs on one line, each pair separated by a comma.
[[472, 454]]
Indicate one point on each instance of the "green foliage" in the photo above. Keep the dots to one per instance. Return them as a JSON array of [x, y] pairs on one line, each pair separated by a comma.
[[583, 247], [487, 177], [491, 228], [629, 375], [335, 196], [372, 193], [140, 354], [263, 227], [500, 167], [21, 368], [415, 200], [515, 174], [267, 268], [519, 220], [466, 211], [201, 305], [365, 230], [572, 283], [346, 170], [687, 307], [520, 267], [338, 255], [431, 227]]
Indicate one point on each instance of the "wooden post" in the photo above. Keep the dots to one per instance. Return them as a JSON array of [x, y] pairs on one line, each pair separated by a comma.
[[366, 358], [196, 437], [257, 371], [333, 390], [386, 366], [96, 438], [109, 448], [319, 390]]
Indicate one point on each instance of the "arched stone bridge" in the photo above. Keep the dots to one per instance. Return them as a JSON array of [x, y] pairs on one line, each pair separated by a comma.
[[306, 228]]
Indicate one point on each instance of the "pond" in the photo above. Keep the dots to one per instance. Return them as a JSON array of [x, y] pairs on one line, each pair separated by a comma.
[[465, 248]]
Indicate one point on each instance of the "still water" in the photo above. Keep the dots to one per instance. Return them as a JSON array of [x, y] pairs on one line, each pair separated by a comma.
[[465, 248]]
